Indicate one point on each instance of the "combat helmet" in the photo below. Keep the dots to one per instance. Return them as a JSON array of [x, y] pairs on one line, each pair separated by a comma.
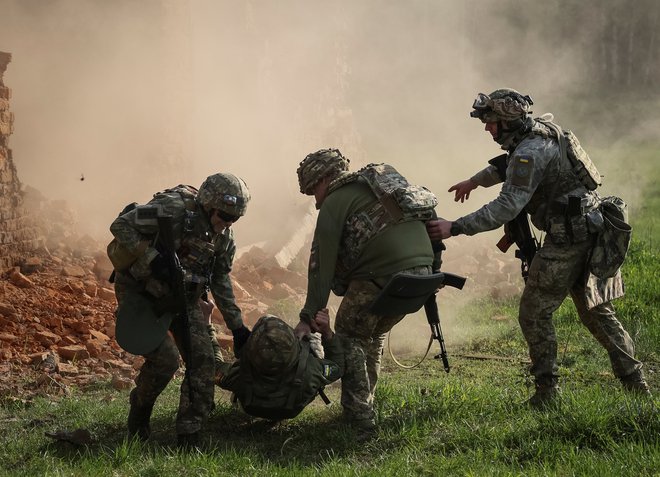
[[225, 192], [272, 347], [507, 107], [317, 165]]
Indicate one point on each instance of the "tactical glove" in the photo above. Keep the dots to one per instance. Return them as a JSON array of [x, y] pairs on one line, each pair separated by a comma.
[[241, 336]]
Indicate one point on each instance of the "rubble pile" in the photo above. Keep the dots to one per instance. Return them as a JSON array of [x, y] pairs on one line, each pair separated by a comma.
[[57, 316]]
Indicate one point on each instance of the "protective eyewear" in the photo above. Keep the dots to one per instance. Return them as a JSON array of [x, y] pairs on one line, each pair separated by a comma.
[[232, 200], [226, 217], [482, 102]]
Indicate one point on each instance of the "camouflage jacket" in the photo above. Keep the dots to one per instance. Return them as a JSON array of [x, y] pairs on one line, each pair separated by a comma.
[[537, 180], [206, 257]]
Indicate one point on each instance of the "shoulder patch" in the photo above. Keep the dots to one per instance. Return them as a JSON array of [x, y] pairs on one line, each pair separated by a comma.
[[523, 166], [327, 370]]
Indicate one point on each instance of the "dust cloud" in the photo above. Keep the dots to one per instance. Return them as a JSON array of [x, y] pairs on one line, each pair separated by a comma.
[[140, 96]]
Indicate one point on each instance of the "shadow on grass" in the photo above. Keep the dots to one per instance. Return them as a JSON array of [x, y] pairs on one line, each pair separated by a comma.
[[306, 441]]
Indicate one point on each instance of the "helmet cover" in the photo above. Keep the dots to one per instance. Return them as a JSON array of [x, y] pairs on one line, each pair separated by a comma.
[[320, 164], [272, 347], [503, 104], [225, 192]]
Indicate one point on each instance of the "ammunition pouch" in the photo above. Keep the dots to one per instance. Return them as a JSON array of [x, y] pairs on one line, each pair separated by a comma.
[[563, 230], [571, 222]]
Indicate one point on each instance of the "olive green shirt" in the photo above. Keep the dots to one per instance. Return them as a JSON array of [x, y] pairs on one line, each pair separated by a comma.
[[399, 247]]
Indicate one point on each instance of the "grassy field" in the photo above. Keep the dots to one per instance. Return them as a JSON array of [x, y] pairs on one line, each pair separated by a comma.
[[469, 422]]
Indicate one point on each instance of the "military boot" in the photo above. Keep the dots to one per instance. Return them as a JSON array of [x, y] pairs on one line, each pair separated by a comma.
[[546, 394], [138, 418], [635, 383]]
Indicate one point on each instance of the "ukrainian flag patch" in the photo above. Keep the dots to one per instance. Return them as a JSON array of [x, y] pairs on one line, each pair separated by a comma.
[[523, 166]]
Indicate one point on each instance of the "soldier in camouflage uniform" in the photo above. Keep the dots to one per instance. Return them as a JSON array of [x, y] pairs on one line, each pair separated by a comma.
[[357, 270], [540, 181], [201, 222], [277, 374]]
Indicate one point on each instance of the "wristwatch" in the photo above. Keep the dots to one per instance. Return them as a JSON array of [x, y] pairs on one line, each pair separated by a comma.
[[455, 229]]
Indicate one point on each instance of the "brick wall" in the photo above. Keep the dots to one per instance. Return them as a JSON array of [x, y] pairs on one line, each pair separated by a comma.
[[17, 235]]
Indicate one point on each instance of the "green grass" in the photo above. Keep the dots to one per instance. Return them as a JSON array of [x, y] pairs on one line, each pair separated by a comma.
[[470, 422]]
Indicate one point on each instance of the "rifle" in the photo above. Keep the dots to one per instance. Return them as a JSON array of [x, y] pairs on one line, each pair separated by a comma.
[[178, 288], [518, 230], [433, 317], [405, 294]]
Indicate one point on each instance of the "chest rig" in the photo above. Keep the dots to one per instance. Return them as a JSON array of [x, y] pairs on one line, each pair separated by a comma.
[[196, 239], [397, 201]]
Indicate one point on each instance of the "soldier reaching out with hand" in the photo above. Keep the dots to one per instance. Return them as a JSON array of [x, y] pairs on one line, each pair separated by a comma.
[[543, 178]]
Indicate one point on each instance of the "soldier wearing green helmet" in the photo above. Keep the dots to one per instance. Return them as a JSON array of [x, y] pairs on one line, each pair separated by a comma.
[[277, 374], [355, 259], [158, 287], [547, 175]]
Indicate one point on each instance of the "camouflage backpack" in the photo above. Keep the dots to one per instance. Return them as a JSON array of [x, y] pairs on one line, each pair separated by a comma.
[[583, 166], [398, 201], [280, 396]]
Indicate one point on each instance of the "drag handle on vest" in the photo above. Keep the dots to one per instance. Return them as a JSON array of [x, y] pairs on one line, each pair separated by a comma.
[[433, 317], [178, 288]]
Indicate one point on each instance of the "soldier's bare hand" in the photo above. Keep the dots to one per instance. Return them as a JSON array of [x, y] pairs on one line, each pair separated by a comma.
[[207, 309], [322, 321], [462, 190], [438, 229], [302, 329]]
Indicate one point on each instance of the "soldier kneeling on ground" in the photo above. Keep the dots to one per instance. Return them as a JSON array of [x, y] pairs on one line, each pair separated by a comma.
[[277, 375]]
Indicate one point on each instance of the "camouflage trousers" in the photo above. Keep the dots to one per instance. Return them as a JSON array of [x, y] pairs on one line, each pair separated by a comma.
[[196, 399], [555, 272], [363, 335]]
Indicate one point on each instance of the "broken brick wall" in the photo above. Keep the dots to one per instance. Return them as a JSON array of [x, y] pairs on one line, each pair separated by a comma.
[[17, 236]]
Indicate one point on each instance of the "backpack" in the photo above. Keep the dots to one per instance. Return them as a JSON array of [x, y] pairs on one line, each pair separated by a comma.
[[122, 258], [277, 397], [582, 165]]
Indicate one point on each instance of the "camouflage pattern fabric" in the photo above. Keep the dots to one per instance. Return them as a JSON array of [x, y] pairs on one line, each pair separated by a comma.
[[161, 364], [225, 192], [317, 165], [285, 394], [613, 240], [207, 260], [363, 335], [272, 346], [555, 272], [398, 201], [540, 181], [502, 104]]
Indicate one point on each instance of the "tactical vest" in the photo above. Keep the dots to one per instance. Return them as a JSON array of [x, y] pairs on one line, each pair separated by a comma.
[[278, 397], [196, 250], [195, 241], [398, 201]]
